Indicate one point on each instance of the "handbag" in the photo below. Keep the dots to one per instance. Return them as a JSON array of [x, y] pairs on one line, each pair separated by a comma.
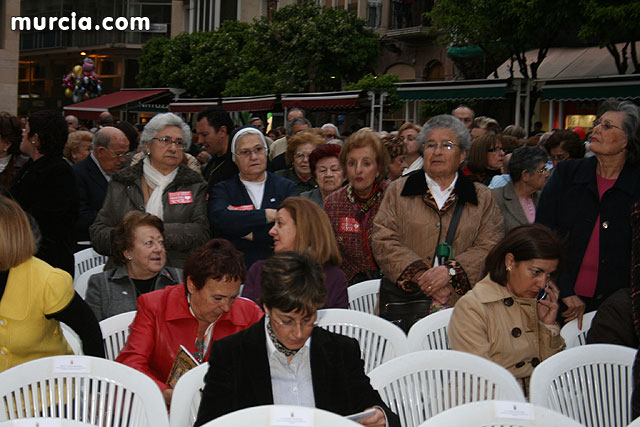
[[403, 308]]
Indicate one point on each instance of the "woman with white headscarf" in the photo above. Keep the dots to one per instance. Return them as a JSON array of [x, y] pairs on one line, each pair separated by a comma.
[[160, 185], [242, 209]]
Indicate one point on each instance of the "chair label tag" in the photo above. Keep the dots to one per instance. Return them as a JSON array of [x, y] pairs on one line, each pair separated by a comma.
[[42, 422], [291, 416], [71, 365], [514, 410]]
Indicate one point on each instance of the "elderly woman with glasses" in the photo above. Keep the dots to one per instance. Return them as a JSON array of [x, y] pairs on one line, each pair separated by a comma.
[[160, 185], [518, 199], [299, 149], [242, 209], [588, 202], [416, 214]]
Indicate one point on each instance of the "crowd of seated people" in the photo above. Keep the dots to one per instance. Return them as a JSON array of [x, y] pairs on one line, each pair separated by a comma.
[[453, 212]]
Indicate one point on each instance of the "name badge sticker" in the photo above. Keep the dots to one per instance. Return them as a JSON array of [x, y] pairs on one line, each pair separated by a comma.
[[349, 225], [180, 198], [240, 208]]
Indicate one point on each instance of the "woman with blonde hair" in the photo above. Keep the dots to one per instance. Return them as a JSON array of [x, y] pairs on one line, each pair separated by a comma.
[[78, 146], [35, 297], [302, 226]]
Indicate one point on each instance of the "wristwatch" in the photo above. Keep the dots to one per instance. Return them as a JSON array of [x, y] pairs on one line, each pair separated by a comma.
[[452, 272]]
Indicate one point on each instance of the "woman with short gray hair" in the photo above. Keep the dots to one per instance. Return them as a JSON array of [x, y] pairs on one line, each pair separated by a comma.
[[518, 199], [160, 185]]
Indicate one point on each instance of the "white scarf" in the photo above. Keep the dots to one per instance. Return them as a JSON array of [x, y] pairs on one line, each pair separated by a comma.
[[157, 182]]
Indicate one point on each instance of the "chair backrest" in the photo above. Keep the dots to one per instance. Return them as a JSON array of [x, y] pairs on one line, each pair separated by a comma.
[[81, 282], [591, 384], [499, 413], [430, 333], [72, 338], [379, 339], [115, 331], [363, 296], [82, 388], [263, 416], [419, 385], [186, 397], [572, 335], [44, 422], [87, 259]]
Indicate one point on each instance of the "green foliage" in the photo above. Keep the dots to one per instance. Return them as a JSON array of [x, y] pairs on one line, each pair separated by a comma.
[[153, 51], [503, 28], [378, 84], [303, 47], [611, 22]]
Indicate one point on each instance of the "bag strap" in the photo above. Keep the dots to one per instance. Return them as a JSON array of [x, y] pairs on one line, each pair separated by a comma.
[[457, 213]]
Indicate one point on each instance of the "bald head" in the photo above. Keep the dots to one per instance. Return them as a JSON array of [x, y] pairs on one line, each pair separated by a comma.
[[110, 145], [72, 122], [464, 114], [105, 118]]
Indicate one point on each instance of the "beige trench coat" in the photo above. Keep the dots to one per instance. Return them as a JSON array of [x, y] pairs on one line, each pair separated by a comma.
[[490, 322], [407, 230]]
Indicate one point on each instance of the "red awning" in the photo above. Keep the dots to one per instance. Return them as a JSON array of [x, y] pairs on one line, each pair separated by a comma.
[[91, 108], [191, 106], [322, 100], [249, 103]]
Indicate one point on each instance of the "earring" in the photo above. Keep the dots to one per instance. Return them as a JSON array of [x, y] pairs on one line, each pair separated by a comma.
[[129, 258], [508, 269]]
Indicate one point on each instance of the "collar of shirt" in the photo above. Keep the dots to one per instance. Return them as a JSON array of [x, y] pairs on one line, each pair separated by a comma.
[[107, 177], [271, 348], [440, 195]]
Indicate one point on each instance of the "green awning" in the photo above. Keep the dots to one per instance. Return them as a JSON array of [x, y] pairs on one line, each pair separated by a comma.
[[625, 87], [447, 90]]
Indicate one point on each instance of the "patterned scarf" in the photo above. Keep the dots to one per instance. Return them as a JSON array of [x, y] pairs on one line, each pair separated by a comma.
[[364, 204], [277, 343]]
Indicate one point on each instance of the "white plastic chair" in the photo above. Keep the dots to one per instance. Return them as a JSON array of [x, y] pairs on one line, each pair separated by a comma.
[[44, 422], [363, 296], [430, 333], [379, 339], [635, 423], [81, 282], [419, 385], [186, 397], [591, 384], [492, 413], [115, 331], [261, 416], [82, 388], [572, 335], [87, 259], [72, 338]]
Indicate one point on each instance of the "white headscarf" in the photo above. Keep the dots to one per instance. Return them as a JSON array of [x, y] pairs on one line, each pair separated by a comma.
[[241, 133], [158, 182]]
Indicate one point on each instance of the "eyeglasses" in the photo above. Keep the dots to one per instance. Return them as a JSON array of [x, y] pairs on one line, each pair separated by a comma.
[[120, 156], [495, 149], [330, 136], [258, 151], [166, 141], [559, 158], [444, 145], [605, 125], [543, 170], [301, 156], [291, 324]]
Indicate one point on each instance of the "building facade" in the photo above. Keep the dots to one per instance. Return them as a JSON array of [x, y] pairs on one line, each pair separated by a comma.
[[9, 52]]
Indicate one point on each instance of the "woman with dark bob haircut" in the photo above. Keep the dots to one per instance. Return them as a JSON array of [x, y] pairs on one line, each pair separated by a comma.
[[202, 311], [326, 367], [509, 317], [327, 170], [138, 251], [46, 187]]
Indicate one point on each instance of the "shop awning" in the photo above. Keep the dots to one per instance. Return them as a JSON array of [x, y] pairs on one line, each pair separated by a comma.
[[625, 87], [453, 90], [191, 105], [91, 108], [322, 100], [249, 103]]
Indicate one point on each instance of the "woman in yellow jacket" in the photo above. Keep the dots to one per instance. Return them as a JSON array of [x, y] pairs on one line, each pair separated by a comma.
[[35, 297]]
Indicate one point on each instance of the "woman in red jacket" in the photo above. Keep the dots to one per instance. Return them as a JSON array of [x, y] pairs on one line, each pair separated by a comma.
[[203, 310]]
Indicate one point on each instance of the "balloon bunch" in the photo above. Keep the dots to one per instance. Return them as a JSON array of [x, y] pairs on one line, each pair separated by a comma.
[[82, 82]]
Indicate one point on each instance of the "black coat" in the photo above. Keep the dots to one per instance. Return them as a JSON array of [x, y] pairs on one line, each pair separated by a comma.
[[570, 205], [219, 169], [239, 376], [92, 189], [46, 189]]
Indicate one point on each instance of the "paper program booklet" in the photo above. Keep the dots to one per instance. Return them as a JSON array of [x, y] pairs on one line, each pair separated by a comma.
[[184, 361]]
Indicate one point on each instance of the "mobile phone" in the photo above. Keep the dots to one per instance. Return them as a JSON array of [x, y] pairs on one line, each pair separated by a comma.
[[542, 294]]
